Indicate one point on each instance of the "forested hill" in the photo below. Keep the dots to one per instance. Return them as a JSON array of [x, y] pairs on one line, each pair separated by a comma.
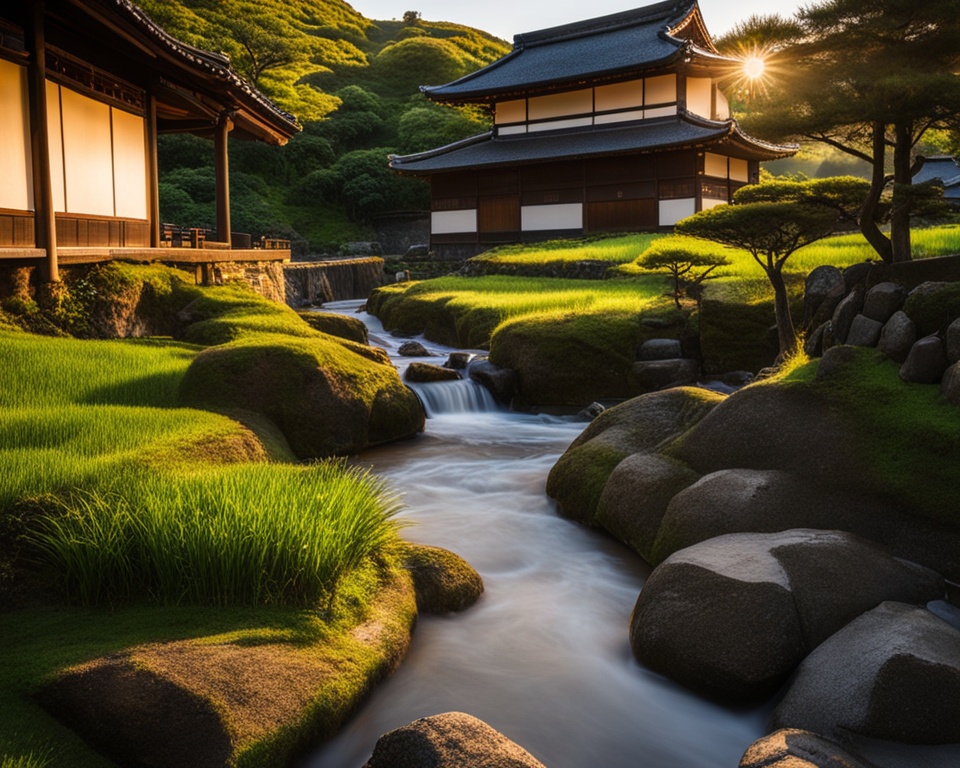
[[353, 84]]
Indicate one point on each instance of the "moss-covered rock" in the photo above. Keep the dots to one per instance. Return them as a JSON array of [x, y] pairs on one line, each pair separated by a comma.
[[639, 425], [325, 398], [229, 701], [336, 325], [444, 581]]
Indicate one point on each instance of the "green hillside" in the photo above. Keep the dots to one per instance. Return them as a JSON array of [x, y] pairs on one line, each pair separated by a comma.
[[354, 85]]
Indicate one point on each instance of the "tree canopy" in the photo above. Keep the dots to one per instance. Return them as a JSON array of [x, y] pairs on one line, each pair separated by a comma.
[[870, 78]]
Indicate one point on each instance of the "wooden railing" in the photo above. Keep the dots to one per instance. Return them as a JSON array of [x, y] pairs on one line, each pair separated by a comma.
[[173, 236]]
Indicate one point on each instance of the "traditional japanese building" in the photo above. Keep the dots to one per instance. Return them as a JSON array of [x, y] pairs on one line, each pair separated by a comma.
[[86, 86], [618, 123]]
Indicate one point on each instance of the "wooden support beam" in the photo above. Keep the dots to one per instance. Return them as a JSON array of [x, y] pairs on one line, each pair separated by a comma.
[[222, 170], [45, 223], [153, 174]]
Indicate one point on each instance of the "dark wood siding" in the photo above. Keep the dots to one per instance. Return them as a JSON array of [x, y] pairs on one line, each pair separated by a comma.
[[16, 229], [498, 216], [621, 215]]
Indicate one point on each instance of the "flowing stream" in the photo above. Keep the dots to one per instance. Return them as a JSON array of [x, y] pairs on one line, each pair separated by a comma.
[[544, 656]]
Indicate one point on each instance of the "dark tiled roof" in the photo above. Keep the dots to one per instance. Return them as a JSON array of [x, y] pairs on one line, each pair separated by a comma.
[[487, 150], [609, 45], [944, 168], [214, 66]]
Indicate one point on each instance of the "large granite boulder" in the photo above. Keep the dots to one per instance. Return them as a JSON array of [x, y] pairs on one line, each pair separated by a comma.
[[893, 673], [793, 748], [731, 617], [502, 382], [660, 349], [864, 332], [843, 315], [636, 496], [882, 300], [774, 427], [822, 282], [950, 384], [635, 426], [449, 740], [952, 338], [660, 374], [898, 336], [760, 501], [926, 362]]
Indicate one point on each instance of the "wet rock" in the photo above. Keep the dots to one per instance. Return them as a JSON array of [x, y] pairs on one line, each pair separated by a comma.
[[864, 332], [813, 345], [897, 337], [413, 349], [591, 412], [458, 360], [635, 498], [660, 374], [892, 673], [883, 300], [926, 362], [731, 617], [660, 349], [793, 748], [426, 373], [449, 740], [502, 382]]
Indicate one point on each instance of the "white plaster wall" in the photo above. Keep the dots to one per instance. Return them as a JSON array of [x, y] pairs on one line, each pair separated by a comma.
[[561, 104], [619, 95], [671, 211], [699, 92], [511, 130], [715, 165], [739, 169], [660, 90], [554, 125], [55, 141], [709, 202], [535, 218], [452, 222], [129, 164], [88, 154], [511, 111], [619, 117], [723, 106], [16, 178], [649, 114]]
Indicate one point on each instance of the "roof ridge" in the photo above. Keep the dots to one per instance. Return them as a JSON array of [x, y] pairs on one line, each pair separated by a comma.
[[662, 11]]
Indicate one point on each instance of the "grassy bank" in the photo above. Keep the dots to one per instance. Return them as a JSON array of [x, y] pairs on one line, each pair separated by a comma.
[[125, 517]]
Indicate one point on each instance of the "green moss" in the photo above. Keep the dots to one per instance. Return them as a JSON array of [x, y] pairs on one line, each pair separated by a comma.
[[344, 327], [577, 479], [935, 309], [907, 433]]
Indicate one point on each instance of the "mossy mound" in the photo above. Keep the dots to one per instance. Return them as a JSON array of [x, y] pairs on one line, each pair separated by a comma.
[[325, 398], [444, 581], [571, 359], [639, 425], [933, 306], [238, 699], [344, 327]]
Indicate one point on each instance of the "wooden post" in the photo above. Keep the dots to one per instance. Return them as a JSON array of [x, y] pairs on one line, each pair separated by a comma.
[[153, 175], [44, 217], [222, 169]]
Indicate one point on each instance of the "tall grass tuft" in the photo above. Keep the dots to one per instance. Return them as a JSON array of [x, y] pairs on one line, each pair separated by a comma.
[[242, 534]]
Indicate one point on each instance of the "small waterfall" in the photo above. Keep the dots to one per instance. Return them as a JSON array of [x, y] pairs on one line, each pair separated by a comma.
[[466, 396]]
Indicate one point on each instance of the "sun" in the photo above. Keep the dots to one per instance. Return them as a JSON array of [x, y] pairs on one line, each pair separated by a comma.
[[754, 67]]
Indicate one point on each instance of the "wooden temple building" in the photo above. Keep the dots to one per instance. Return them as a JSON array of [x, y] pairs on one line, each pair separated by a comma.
[[613, 124], [86, 86]]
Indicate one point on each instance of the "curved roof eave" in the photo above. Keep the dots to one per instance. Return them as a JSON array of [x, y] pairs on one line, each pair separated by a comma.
[[273, 122]]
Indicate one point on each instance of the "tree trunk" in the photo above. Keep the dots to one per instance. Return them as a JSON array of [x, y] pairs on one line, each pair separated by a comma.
[[868, 212], [902, 178], [786, 333]]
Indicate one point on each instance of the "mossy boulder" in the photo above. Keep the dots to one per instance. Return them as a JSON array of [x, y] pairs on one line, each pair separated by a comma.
[[210, 702], [324, 397], [636, 426], [343, 326], [444, 582], [571, 359], [425, 373]]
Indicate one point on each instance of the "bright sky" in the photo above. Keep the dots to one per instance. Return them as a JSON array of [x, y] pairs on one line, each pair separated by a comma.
[[505, 18]]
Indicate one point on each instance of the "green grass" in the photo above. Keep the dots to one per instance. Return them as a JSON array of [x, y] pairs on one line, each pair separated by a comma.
[[617, 250], [243, 534]]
